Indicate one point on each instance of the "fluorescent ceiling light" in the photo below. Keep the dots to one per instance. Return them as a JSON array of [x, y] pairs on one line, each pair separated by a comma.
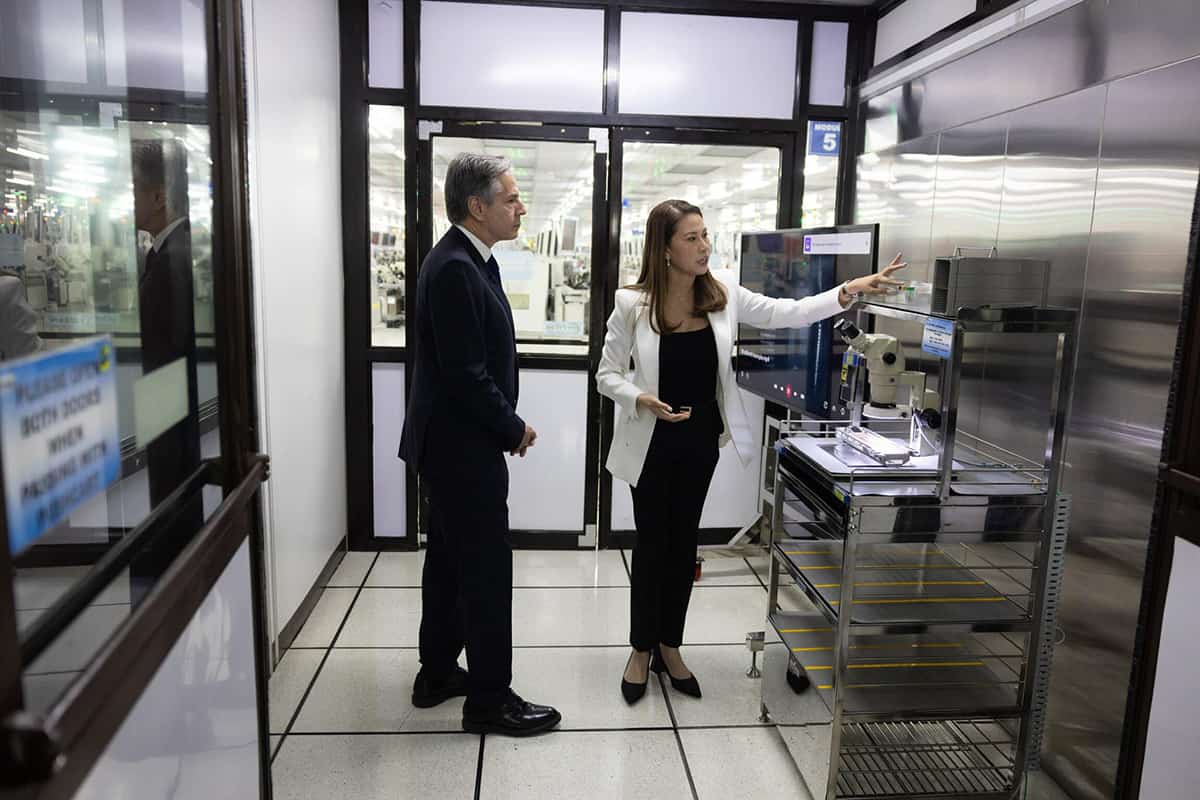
[[21, 151]]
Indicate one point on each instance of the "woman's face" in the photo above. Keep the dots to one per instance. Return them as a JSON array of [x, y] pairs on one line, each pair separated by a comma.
[[689, 248]]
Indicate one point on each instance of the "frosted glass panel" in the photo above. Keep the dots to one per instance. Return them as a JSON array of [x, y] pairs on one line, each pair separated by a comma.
[[155, 45], [390, 477], [707, 66], [546, 488], [512, 57], [827, 83], [912, 22], [386, 69], [43, 40]]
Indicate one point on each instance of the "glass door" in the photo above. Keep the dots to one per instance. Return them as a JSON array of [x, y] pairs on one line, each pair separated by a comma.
[[117, 343], [550, 276], [739, 183]]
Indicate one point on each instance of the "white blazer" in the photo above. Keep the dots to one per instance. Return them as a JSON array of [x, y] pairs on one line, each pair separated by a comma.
[[630, 335]]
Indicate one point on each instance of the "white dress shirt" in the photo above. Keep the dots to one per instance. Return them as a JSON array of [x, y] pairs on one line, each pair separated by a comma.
[[483, 249]]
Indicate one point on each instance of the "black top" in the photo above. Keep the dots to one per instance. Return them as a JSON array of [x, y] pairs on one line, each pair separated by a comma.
[[687, 376], [463, 399]]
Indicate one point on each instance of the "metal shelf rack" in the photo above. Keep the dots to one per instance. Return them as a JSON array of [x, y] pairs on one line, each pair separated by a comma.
[[919, 601]]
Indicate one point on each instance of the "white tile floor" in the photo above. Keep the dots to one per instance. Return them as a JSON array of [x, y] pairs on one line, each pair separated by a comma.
[[343, 725]]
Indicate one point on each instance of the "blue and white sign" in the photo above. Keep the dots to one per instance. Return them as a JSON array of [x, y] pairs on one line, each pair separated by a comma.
[[58, 435], [824, 138], [939, 337]]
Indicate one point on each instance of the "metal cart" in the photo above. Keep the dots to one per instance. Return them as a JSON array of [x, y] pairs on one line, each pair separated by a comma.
[[925, 627]]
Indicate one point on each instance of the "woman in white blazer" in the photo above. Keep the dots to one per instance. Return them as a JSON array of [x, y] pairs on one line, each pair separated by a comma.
[[675, 409]]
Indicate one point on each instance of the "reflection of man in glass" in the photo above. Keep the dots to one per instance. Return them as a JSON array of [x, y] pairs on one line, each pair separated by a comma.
[[18, 322], [168, 327]]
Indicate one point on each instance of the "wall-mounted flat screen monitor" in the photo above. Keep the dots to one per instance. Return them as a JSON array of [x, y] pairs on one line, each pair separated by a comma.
[[800, 367]]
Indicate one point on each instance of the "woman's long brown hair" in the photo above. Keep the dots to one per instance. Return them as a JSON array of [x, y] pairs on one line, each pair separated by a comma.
[[660, 227]]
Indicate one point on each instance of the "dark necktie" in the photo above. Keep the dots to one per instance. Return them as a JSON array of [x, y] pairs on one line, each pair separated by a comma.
[[493, 270]]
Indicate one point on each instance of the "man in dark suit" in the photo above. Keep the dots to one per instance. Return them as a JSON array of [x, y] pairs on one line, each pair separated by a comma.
[[168, 335], [460, 422]]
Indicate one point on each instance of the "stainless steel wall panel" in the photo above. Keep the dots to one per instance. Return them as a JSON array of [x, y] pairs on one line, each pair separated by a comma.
[[1050, 187], [909, 196], [1141, 34], [1149, 162], [969, 187]]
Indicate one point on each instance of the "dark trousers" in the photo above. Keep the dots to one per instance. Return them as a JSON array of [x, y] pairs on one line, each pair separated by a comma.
[[667, 504], [466, 586]]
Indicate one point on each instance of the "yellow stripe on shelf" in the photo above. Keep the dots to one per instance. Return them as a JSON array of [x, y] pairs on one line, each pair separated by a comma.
[[811, 649], [905, 665], [925, 600], [806, 552], [930, 646], [904, 583], [914, 664]]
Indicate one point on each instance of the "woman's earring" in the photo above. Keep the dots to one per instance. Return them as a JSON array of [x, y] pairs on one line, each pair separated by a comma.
[[668, 259]]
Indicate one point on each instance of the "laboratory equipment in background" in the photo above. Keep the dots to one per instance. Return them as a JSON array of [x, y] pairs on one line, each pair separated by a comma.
[[800, 367], [387, 265]]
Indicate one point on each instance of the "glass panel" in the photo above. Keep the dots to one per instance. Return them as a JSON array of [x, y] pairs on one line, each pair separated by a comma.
[[134, 53], [821, 174], [827, 81], [550, 59], [736, 187], [387, 225], [105, 229], [547, 270], [29, 27], [907, 24], [700, 65], [386, 21]]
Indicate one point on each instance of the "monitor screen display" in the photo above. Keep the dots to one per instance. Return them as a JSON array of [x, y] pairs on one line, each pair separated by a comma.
[[799, 367]]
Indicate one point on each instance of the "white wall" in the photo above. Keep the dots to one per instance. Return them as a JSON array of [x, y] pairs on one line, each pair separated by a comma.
[[295, 185], [1173, 741]]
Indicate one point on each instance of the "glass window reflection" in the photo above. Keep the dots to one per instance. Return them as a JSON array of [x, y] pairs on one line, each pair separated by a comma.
[[736, 187]]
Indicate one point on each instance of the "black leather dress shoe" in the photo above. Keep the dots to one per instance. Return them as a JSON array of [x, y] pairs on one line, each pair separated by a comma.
[[514, 717], [429, 692]]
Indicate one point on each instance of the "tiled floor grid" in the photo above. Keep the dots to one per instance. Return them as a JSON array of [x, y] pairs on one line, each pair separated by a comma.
[[342, 725]]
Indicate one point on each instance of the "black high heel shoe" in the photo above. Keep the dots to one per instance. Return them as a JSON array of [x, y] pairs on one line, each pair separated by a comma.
[[632, 692], [689, 685]]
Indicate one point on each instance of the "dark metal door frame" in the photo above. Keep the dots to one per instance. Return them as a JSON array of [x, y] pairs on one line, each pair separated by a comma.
[[600, 243], [791, 188]]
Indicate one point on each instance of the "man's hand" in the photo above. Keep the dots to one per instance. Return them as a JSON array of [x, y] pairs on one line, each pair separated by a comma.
[[879, 283], [526, 442], [660, 409]]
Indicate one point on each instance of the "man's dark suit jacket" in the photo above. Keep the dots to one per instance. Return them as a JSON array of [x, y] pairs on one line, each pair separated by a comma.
[[168, 328], [463, 397]]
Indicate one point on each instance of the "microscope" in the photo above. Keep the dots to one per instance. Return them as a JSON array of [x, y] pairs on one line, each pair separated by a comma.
[[880, 357]]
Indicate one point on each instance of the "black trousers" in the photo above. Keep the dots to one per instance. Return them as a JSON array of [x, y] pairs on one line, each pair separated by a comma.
[[667, 503], [466, 586]]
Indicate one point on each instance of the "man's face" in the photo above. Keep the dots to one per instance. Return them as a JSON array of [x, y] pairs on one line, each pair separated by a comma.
[[502, 218], [149, 207]]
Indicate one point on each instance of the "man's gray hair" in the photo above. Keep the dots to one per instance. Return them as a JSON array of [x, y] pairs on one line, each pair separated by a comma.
[[162, 164], [472, 175]]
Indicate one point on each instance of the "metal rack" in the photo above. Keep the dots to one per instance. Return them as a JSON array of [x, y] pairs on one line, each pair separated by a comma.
[[926, 597]]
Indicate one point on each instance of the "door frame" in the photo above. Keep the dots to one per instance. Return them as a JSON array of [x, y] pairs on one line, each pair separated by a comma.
[[597, 314], [791, 189]]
